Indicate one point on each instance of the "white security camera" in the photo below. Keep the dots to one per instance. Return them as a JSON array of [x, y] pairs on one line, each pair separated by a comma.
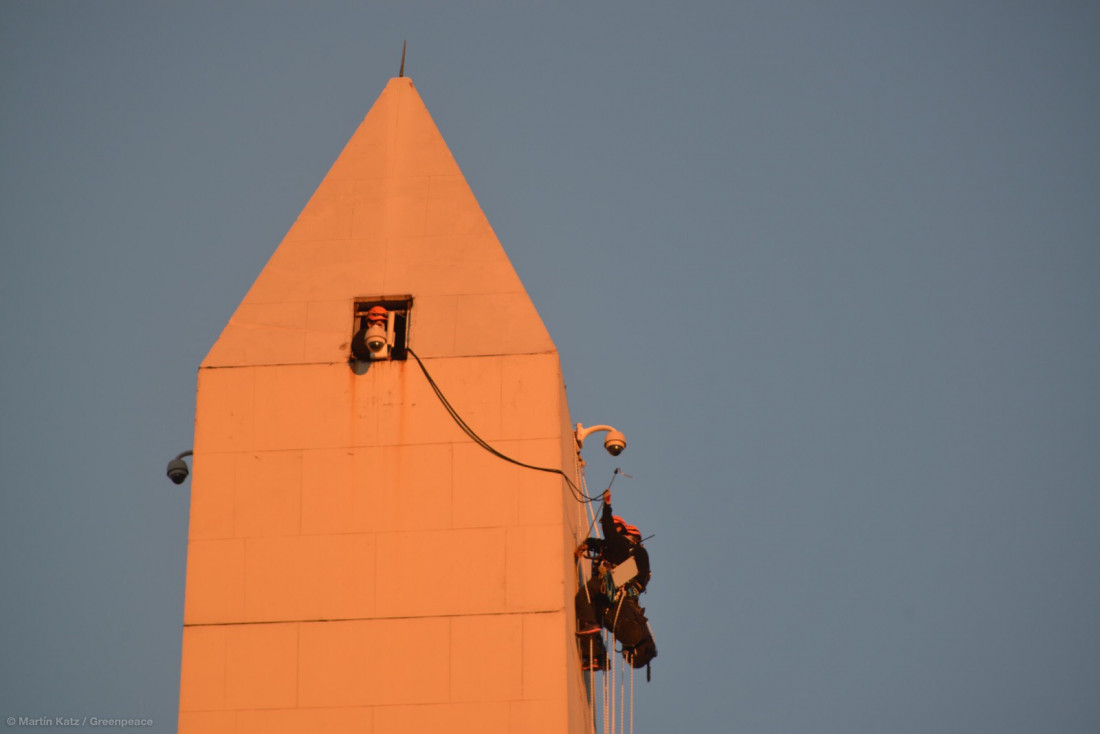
[[377, 341], [614, 443]]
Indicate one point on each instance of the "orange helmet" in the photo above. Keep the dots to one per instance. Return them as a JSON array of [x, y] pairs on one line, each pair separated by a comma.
[[626, 528]]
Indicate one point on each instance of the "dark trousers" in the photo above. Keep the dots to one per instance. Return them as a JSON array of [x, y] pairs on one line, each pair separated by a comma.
[[590, 602]]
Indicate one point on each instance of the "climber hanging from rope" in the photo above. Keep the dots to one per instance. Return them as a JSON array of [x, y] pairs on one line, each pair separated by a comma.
[[620, 572]]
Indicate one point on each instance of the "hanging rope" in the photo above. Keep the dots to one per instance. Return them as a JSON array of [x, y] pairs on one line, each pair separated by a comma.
[[612, 697], [588, 507], [618, 608], [622, 692], [632, 699], [592, 670], [606, 713], [611, 667]]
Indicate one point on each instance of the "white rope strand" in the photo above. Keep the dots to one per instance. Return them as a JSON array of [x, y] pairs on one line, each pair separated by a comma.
[[622, 693], [591, 652], [632, 699], [606, 714], [611, 667]]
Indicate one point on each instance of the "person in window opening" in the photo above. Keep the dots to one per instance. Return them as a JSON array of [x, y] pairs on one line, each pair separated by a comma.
[[621, 541]]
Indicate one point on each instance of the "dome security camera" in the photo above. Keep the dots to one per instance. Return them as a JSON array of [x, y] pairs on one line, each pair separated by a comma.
[[371, 343], [376, 340], [614, 443], [177, 471], [177, 468]]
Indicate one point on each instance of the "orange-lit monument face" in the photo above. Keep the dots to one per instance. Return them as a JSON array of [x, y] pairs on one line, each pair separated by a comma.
[[356, 562]]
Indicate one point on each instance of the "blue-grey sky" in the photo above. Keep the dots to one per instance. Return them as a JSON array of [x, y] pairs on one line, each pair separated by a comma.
[[833, 267]]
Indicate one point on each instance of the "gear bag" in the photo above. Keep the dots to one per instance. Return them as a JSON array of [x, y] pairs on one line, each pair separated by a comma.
[[627, 621], [640, 655]]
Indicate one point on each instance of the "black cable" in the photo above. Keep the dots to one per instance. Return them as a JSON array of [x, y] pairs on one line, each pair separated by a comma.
[[578, 495]]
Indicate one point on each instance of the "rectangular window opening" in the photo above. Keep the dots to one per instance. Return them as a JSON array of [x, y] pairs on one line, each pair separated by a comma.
[[380, 328]]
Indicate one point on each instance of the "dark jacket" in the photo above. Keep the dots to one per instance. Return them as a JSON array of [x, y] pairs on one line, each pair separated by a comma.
[[616, 547]]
